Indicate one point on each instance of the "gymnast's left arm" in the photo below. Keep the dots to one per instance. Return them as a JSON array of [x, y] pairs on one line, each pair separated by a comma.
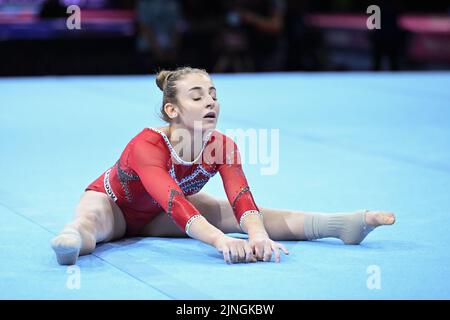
[[244, 207]]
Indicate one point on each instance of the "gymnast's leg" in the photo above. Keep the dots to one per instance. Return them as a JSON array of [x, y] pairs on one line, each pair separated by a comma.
[[350, 227], [280, 224], [211, 208], [97, 219]]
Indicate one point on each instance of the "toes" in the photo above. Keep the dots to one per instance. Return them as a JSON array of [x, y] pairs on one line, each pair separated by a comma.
[[379, 218], [390, 218], [387, 218]]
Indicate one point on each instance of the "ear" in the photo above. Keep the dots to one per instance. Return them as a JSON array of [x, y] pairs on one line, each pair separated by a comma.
[[171, 110]]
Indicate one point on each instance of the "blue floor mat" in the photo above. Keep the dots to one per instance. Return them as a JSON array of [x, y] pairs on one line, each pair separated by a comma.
[[347, 141]]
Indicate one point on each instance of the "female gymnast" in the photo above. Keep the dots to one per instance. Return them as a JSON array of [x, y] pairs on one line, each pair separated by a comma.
[[153, 189]]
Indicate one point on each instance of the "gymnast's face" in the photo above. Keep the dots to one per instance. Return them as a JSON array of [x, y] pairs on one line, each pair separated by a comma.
[[197, 102]]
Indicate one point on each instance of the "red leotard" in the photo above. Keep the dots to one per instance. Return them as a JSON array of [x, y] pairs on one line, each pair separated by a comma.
[[150, 177]]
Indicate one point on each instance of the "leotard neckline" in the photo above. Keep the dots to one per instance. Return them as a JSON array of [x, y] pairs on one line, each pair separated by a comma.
[[172, 149]]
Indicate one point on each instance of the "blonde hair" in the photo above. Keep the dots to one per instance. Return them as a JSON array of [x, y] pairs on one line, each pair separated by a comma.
[[165, 80]]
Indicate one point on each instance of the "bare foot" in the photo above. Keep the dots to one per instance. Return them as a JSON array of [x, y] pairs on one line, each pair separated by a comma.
[[360, 224], [379, 218]]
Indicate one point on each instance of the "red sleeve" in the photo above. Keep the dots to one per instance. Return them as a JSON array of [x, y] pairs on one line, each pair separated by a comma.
[[148, 159], [234, 181]]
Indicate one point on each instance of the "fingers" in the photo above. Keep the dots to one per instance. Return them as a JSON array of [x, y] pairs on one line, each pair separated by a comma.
[[258, 252], [241, 253], [249, 257], [276, 250], [226, 255], [263, 251], [238, 253], [283, 248], [267, 256], [234, 254]]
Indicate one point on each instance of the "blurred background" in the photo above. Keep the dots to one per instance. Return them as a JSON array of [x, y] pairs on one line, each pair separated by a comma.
[[222, 36]]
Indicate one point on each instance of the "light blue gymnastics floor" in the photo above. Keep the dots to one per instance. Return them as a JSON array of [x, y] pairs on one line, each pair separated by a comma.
[[347, 141]]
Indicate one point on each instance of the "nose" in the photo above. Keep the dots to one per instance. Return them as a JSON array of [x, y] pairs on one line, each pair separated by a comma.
[[211, 102]]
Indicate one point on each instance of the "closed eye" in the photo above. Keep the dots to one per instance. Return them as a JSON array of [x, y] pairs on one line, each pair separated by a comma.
[[197, 99]]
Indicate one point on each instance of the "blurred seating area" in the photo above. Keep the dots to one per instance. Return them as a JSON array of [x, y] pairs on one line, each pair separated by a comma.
[[143, 36]]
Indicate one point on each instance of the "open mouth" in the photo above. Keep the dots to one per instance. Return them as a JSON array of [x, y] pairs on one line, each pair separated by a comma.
[[211, 115]]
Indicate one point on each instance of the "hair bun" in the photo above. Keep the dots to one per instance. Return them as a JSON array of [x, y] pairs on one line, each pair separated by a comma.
[[161, 78]]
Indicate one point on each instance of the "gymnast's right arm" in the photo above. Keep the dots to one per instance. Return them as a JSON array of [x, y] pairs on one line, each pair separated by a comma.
[[148, 161]]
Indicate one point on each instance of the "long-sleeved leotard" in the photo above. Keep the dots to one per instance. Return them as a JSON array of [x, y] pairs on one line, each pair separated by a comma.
[[150, 177]]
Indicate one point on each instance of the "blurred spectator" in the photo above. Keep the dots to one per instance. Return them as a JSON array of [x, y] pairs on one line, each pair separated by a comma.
[[202, 22], [387, 42], [304, 43], [254, 31], [233, 44], [342, 5], [158, 40], [117, 4], [52, 9]]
